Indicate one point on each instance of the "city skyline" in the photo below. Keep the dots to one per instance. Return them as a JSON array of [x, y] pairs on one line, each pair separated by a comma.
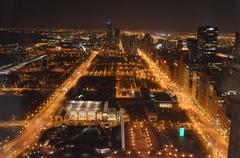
[[119, 79]]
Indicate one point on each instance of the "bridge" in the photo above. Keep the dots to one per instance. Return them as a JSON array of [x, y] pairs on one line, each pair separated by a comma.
[[12, 123], [11, 68], [21, 89]]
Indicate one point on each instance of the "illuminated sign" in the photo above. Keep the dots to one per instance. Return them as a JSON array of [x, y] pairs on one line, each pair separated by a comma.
[[181, 131]]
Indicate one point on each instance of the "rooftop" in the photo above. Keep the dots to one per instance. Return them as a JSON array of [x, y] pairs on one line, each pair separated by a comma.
[[83, 105], [161, 97]]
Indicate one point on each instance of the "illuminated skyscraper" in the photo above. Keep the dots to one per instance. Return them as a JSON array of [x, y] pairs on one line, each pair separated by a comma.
[[116, 37], [109, 33], [207, 39]]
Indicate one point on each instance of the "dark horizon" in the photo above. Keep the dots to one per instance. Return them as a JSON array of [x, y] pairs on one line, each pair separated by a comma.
[[170, 16]]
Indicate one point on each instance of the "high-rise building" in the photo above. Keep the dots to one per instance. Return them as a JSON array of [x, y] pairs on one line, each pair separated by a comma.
[[192, 46], [116, 37], [109, 33], [229, 85], [134, 42], [130, 43], [116, 34], [148, 42], [234, 139], [93, 38], [237, 44], [207, 39], [180, 45]]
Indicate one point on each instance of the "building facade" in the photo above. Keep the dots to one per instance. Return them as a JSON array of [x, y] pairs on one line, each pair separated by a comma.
[[237, 44], [207, 39], [234, 139]]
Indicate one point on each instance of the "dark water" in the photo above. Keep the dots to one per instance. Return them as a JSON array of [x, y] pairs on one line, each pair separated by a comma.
[[18, 105], [6, 59], [21, 38]]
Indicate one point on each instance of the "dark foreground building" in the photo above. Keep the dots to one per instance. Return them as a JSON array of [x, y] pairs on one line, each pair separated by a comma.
[[234, 139]]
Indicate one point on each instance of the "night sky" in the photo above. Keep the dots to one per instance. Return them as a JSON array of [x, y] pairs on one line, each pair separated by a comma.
[[159, 15]]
